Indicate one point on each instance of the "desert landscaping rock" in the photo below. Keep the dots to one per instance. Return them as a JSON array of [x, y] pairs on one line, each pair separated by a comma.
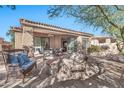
[[68, 69], [65, 72]]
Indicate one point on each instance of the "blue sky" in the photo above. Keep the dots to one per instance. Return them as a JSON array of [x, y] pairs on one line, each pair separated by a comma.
[[10, 17]]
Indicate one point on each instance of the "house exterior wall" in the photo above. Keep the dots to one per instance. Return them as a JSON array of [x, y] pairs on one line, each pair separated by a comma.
[[18, 40], [25, 38], [29, 32], [57, 42], [52, 42], [112, 46]]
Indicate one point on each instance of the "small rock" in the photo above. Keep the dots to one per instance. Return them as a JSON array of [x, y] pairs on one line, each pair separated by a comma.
[[90, 84]]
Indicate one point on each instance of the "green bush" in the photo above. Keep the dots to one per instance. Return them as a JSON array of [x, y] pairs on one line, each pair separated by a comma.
[[121, 53], [94, 48]]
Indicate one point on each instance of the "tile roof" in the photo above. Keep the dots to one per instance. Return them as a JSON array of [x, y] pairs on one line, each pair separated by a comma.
[[16, 28], [39, 24]]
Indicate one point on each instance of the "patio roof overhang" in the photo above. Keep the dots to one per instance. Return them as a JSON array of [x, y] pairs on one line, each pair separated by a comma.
[[52, 33], [41, 28], [53, 29], [45, 32]]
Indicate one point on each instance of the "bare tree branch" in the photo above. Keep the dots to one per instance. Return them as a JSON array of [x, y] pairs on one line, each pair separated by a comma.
[[104, 14], [118, 8]]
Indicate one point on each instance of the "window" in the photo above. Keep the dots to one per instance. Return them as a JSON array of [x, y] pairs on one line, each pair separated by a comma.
[[72, 44], [41, 43], [37, 41], [85, 43]]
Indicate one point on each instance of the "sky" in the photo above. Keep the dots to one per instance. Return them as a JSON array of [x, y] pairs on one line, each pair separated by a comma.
[[37, 13]]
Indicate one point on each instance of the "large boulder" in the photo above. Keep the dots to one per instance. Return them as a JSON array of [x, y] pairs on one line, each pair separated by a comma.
[[63, 69], [77, 57], [74, 68]]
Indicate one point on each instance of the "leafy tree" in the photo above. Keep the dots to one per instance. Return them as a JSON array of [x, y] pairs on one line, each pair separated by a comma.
[[11, 34], [109, 18]]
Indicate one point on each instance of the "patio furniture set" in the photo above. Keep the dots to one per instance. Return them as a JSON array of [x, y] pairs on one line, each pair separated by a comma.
[[59, 63], [23, 61], [16, 60]]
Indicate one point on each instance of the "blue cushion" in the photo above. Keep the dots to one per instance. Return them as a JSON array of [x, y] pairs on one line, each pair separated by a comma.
[[26, 65], [13, 59], [23, 58]]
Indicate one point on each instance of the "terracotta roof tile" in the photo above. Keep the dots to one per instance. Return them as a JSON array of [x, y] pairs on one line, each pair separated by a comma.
[[16, 28], [51, 26]]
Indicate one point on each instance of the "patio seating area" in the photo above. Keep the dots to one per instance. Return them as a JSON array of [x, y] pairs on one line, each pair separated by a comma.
[[63, 69]]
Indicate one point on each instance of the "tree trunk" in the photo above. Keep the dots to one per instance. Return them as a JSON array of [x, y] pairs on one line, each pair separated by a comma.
[[118, 47]]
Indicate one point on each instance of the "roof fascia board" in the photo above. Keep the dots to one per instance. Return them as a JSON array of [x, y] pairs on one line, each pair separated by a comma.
[[58, 30]]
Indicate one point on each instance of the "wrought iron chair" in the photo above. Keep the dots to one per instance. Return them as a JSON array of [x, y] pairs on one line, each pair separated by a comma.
[[16, 58]]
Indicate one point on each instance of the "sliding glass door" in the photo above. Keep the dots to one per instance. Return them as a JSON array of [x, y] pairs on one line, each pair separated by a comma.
[[41, 43], [85, 43], [72, 44]]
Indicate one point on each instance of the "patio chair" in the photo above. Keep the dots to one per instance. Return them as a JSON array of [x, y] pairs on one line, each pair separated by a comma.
[[58, 51], [18, 59]]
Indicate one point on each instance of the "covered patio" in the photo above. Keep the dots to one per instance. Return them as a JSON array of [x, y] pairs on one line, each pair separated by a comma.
[[44, 36], [45, 41]]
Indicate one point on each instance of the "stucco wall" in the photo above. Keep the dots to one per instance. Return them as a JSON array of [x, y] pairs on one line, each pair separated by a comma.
[[18, 40], [57, 42], [52, 42], [27, 39], [113, 48], [23, 39], [81, 42]]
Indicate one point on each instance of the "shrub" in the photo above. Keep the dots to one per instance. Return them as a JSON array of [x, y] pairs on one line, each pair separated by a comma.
[[121, 53], [94, 48]]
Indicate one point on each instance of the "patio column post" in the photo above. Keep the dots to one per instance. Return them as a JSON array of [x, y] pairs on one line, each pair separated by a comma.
[[22, 37], [27, 37]]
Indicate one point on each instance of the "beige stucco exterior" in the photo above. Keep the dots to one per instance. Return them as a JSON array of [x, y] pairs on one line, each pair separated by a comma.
[[18, 40], [26, 39], [57, 42], [51, 42], [112, 45], [24, 36]]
